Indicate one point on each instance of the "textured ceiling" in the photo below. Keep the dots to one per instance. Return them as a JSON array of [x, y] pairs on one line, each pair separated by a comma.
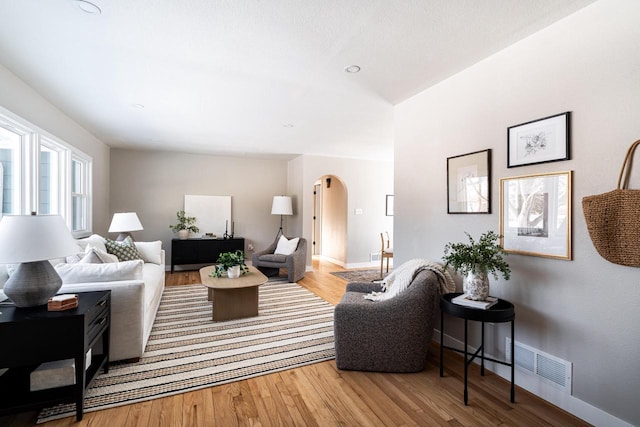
[[254, 77]]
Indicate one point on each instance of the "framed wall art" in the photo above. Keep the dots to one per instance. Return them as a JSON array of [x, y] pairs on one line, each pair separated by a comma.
[[535, 215], [389, 205], [469, 182], [539, 141]]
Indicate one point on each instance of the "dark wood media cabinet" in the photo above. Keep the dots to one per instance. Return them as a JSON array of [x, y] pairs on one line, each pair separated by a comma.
[[202, 251]]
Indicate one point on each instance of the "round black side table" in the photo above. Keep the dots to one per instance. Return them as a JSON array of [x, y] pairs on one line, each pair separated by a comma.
[[502, 311]]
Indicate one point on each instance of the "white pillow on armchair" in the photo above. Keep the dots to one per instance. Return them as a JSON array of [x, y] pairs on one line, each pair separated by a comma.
[[286, 246]]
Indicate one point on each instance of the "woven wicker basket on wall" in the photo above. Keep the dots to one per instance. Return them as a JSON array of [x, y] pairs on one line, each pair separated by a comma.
[[613, 219]]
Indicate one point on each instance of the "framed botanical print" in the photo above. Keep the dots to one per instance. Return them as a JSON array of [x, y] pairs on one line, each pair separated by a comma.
[[538, 141]]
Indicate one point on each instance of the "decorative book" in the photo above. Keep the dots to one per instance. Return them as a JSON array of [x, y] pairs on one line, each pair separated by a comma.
[[468, 302], [62, 302]]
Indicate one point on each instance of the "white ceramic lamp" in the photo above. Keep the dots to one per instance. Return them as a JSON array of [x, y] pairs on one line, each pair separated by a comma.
[[281, 206], [124, 223], [32, 240]]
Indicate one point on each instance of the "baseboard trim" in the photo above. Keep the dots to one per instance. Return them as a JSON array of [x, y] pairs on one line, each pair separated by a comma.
[[564, 401]]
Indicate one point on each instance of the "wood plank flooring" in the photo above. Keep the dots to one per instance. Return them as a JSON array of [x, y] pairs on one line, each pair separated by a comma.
[[322, 395]]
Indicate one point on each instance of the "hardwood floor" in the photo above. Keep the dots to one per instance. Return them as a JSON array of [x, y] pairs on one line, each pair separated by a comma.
[[321, 395]]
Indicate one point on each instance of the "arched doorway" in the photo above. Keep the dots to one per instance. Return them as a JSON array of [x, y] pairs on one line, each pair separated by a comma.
[[329, 222]]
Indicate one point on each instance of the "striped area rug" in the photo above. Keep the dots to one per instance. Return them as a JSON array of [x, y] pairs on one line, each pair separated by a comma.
[[187, 350]]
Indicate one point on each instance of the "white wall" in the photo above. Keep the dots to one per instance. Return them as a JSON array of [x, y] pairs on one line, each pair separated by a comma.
[[586, 310], [154, 184], [25, 102], [367, 182]]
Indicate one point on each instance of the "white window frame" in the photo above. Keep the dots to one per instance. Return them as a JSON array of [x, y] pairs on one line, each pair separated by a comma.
[[32, 140], [85, 193], [25, 134], [61, 169]]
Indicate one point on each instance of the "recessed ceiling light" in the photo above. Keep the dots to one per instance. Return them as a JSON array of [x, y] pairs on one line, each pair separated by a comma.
[[88, 7], [287, 125], [138, 106], [352, 69]]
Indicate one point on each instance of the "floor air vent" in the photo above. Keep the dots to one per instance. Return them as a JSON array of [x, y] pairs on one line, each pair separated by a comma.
[[549, 368]]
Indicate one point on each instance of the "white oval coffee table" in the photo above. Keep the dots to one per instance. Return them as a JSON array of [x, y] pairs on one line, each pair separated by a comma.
[[233, 298]]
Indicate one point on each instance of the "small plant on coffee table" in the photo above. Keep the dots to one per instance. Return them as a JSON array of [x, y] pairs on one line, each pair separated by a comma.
[[227, 260]]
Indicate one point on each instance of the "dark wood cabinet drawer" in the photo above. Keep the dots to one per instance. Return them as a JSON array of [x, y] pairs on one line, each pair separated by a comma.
[[97, 310]]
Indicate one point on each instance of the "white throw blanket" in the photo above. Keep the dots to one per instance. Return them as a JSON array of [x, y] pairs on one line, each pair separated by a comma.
[[400, 279]]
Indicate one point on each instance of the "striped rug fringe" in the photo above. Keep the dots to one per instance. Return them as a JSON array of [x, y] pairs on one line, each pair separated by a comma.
[[188, 351]]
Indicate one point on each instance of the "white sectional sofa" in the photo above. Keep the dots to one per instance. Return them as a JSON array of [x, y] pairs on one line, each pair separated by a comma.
[[136, 288]]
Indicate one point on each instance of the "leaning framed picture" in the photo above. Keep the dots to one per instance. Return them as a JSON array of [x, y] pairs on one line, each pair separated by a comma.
[[535, 215], [469, 183], [539, 141]]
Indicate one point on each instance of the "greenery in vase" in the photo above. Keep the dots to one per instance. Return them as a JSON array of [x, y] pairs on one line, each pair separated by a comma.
[[485, 255], [227, 260], [185, 223]]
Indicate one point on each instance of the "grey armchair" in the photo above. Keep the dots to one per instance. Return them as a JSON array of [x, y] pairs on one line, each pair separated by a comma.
[[386, 336], [270, 264]]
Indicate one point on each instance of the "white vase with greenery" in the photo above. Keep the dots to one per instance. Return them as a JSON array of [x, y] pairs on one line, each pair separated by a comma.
[[232, 263], [186, 224], [475, 260], [233, 272]]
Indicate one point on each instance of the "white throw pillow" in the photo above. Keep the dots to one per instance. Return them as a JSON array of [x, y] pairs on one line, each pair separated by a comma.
[[91, 254], [11, 268], [96, 256], [96, 240], [91, 257], [286, 246], [104, 256], [150, 251], [83, 273]]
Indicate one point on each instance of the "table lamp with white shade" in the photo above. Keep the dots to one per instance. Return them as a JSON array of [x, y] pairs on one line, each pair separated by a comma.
[[281, 206], [124, 223], [32, 240]]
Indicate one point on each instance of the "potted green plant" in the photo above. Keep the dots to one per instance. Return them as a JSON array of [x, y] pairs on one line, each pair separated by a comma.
[[475, 260], [232, 263], [185, 225]]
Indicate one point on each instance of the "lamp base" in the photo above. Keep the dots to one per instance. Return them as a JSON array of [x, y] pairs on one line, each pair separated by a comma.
[[123, 236], [32, 284]]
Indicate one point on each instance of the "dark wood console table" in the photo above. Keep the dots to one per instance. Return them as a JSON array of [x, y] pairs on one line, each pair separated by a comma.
[[31, 336], [202, 251]]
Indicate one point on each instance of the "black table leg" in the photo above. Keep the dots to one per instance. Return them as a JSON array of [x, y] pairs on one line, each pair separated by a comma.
[[513, 363], [466, 363], [482, 351], [441, 342]]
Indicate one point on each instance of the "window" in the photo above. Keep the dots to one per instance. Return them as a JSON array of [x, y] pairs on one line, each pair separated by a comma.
[[39, 172], [49, 176], [10, 157], [79, 194]]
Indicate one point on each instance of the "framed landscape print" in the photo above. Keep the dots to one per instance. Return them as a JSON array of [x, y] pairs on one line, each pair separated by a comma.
[[468, 183], [539, 141], [535, 215]]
